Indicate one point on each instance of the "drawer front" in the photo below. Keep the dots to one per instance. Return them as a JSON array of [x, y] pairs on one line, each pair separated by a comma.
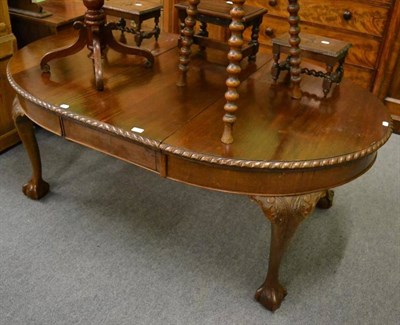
[[45, 118], [110, 144], [363, 18], [363, 53], [360, 76]]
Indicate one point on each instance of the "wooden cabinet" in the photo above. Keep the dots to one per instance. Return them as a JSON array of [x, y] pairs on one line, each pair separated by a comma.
[[392, 98], [387, 81], [8, 133]]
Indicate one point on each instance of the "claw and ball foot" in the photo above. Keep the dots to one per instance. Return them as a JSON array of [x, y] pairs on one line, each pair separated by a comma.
[[36, 188], [326, 201], [270, 296], [285, 213]]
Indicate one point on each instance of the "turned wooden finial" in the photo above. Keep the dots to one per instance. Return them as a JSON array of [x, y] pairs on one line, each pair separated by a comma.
[[93, 4], [95, 15], [294, 41]]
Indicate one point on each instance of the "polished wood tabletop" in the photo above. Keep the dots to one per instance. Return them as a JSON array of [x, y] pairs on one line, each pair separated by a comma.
[[286, 156]]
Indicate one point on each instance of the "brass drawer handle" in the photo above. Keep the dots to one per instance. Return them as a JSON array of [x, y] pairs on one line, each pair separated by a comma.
[[269, 32], [347, 15], [272, 3]]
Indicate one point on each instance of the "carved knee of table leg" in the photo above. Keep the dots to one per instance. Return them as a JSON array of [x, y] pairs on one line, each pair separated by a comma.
[[285, 214], [36, 188]]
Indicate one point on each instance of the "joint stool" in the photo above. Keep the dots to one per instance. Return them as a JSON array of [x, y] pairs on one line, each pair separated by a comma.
[[138, 12], [330, 51], [218, 13]]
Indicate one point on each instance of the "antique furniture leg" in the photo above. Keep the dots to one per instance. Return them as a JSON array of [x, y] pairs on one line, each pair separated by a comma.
[[275, 69], [203, 32], [294, 41], [36, 188], [96, 35], [187, 41], [182, 18], [235, 56], [68, 50], [157, 29], [138, 34], [121, 24], [285, 214], [327, 83], [96, 57], [340, 70], [119, 47], [254, 38]]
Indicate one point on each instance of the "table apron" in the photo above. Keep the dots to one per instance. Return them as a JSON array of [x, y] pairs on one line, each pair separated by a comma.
[[240, 180], [273, 182]]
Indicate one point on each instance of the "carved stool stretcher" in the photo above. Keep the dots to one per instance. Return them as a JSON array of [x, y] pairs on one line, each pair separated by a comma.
[[327, 50], [138, 12]]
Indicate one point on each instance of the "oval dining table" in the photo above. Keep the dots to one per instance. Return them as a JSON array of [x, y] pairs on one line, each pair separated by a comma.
[[287, 155]]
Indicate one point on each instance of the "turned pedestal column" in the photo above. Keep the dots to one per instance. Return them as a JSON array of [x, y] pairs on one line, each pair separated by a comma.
[[96, 35]]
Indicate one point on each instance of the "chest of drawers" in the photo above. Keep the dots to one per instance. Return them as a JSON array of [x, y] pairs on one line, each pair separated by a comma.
[[364, 23]]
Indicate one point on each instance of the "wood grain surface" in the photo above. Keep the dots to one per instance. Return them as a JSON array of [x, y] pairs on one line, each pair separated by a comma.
[[272, 131]]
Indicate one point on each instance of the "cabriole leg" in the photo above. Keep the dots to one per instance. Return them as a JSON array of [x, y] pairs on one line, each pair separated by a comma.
[[36, 188], [285, 214]]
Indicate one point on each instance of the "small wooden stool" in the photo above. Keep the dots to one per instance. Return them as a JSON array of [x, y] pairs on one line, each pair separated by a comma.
[[137, 11], [218, 13], [327, 50]]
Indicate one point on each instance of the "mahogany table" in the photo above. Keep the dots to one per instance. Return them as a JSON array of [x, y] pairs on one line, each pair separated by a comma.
[[287, 153]]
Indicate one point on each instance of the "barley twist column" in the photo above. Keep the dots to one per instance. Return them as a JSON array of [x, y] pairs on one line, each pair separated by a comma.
[[294, 42], [234, 56], [187, 41]]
